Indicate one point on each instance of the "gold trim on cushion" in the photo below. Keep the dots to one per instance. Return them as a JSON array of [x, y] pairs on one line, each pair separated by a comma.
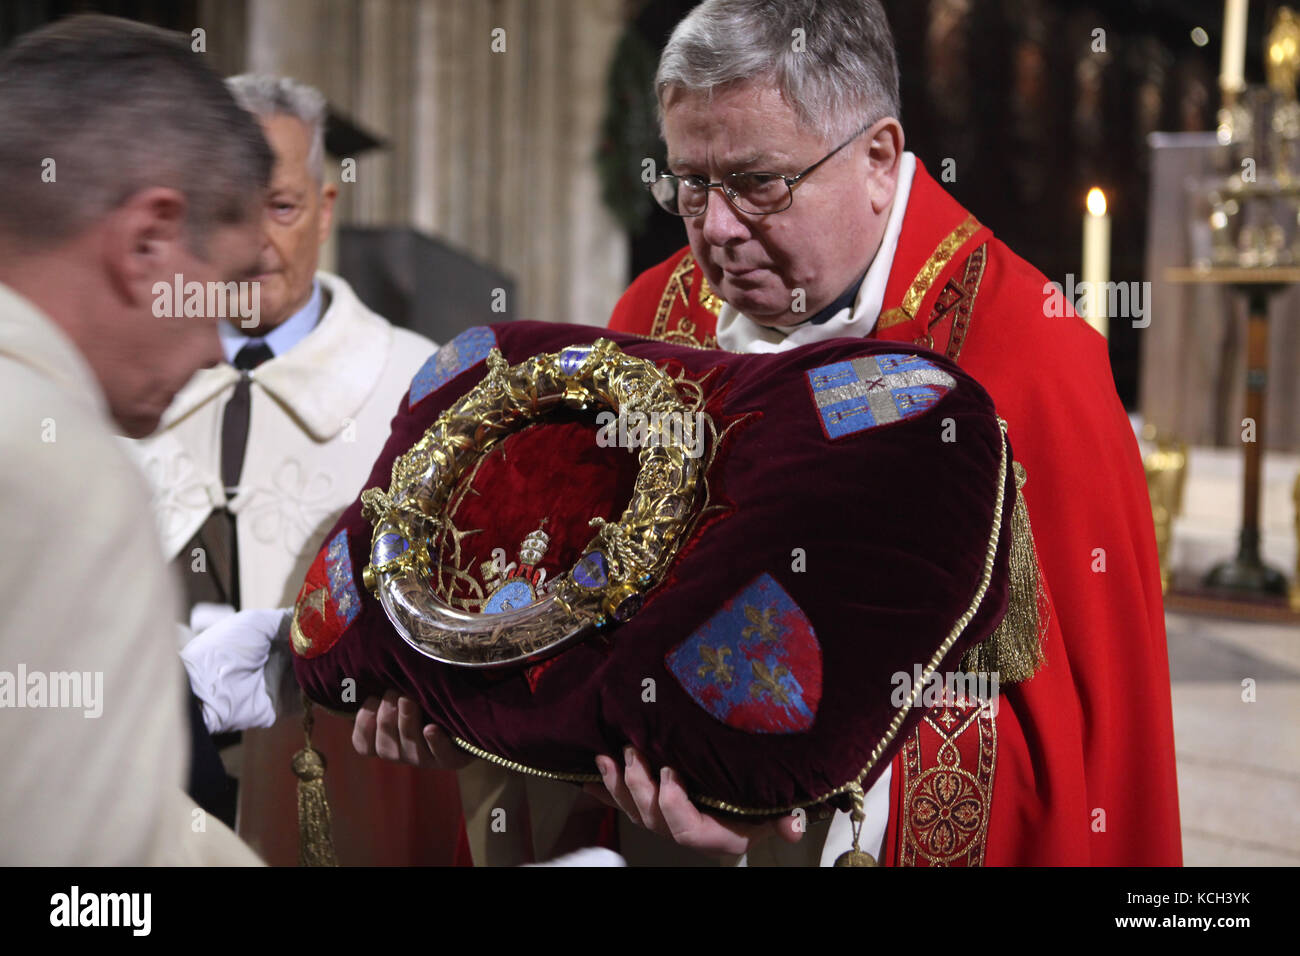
[[958, 628], [895, 724]]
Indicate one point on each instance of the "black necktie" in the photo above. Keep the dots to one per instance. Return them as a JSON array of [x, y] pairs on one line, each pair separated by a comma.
[[234, 441]]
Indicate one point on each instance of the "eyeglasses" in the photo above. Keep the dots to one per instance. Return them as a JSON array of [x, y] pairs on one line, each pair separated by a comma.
[[758, 194]]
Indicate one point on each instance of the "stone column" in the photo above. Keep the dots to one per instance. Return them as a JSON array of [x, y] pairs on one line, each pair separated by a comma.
[[491, 151]]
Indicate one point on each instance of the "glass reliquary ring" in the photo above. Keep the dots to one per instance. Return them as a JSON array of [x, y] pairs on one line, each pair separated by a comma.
[[623, 560]]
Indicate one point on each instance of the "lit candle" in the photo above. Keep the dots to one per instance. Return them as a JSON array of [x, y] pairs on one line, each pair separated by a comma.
[[1096, 259], [1232, 67]]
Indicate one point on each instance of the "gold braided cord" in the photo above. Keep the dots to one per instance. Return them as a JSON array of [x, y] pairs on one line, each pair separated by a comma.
[[479, 752]]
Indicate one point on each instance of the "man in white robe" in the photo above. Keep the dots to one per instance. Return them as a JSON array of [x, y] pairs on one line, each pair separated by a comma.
[[319, 376], [124, 162]]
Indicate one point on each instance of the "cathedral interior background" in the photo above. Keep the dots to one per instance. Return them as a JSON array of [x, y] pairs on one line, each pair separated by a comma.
[[477, 168]]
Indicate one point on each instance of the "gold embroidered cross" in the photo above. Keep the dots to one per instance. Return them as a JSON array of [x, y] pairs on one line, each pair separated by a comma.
[[714, 662]]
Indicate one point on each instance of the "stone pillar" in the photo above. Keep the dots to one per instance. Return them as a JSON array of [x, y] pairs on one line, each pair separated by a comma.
[[491, 151], [598, 243]]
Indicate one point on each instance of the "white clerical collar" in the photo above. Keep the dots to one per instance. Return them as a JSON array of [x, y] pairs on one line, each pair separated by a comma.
[[739, 333], [281, 338]]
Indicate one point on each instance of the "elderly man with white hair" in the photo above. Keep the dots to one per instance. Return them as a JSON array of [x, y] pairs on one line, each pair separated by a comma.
[[258, 456], [151, 171], [806, 220]]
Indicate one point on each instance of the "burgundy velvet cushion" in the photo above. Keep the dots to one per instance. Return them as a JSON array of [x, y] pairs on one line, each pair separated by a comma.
[[762, 669]]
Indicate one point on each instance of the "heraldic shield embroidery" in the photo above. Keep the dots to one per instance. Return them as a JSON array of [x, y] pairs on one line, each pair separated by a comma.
[[948, 765], [755, 664], [329, 597], [464, 351], [875, 390]]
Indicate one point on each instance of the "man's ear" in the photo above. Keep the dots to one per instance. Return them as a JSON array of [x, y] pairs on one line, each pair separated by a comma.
[[329, 192], [142, 237], [884, 154]]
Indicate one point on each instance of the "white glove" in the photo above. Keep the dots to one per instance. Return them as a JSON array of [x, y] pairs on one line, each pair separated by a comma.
[[202, 616], [237, 669]]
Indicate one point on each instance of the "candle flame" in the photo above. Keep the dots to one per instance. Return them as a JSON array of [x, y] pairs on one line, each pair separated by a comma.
[[1096, 202]]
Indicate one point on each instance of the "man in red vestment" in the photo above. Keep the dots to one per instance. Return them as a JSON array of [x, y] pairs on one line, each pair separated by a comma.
[[806, 220]]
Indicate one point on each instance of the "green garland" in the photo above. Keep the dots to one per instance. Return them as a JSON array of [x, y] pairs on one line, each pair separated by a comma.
[[629, 131]]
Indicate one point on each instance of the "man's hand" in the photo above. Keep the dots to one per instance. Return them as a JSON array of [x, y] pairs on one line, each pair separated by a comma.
[[663, 807], [390, 729]]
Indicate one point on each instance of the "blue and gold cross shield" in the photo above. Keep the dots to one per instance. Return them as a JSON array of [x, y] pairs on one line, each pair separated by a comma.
[[875, 390]]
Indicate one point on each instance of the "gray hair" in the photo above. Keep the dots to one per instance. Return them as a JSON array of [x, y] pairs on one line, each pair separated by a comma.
[[265, 95], [832, 60], [108, 107]]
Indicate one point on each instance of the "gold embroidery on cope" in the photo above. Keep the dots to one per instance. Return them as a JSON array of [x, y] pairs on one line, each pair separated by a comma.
[[956, 300], [937, 262], [965, 309], [679, 287], [948, 767]]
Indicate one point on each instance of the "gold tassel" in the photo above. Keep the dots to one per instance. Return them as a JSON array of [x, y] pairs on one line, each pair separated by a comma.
[[855, 855], [315, 844], [1015, 648]]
